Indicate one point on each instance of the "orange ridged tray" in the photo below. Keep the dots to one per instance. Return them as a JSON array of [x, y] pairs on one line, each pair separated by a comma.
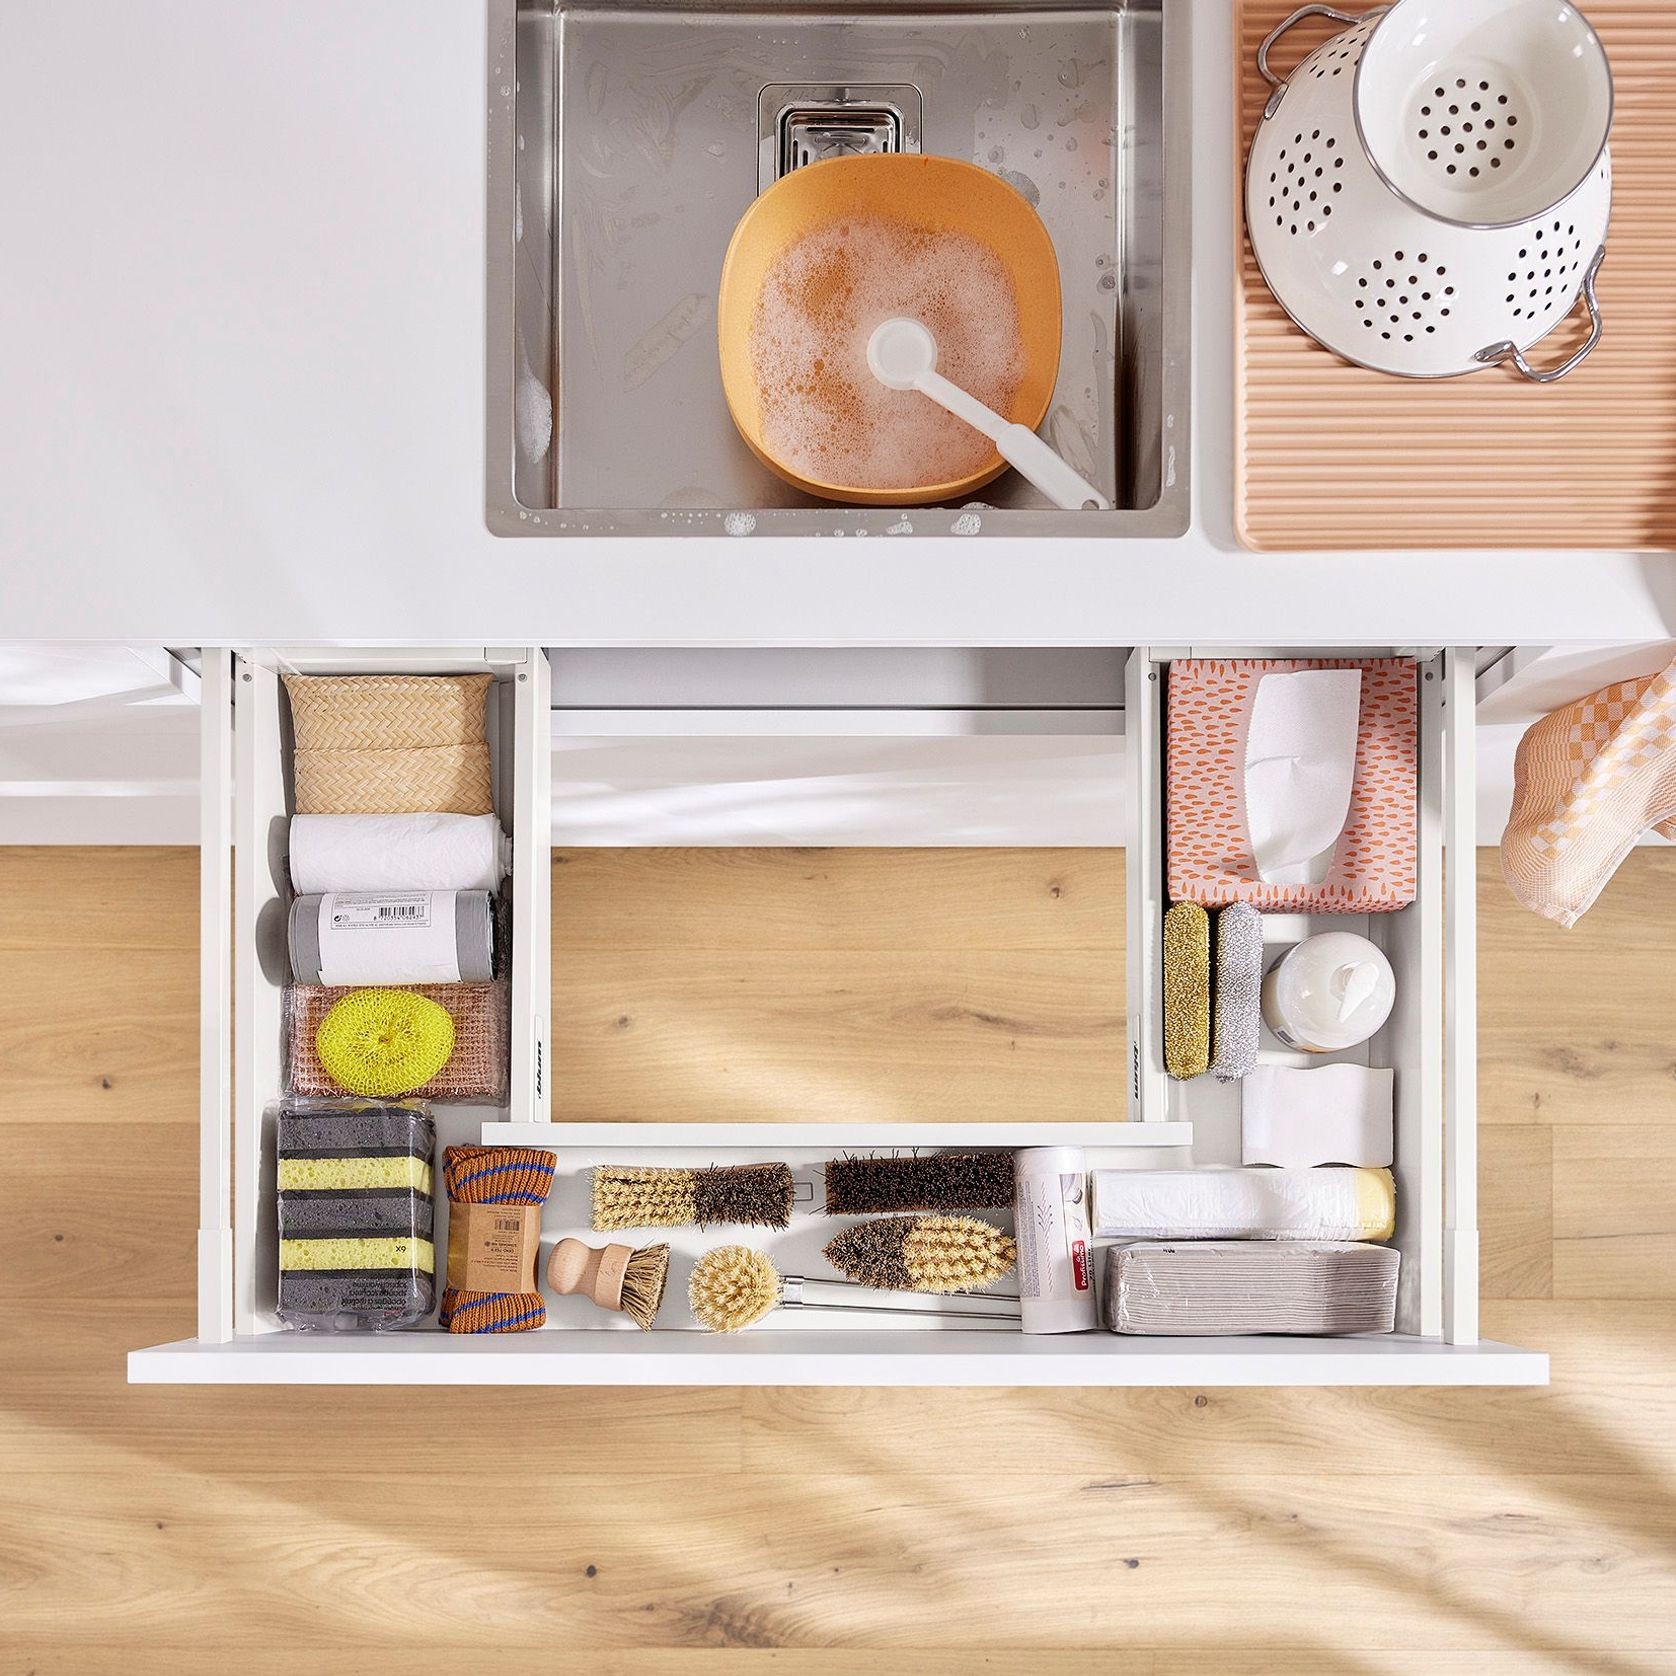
[[1329, 456]]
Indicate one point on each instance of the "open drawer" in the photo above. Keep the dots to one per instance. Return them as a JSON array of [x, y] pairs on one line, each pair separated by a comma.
[[1430, 1042]]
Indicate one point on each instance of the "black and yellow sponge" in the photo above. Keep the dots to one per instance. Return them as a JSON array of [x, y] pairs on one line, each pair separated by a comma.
[[355, 1214]]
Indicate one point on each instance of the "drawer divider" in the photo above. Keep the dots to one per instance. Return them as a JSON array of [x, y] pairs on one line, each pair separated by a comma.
[[1460, 1094]]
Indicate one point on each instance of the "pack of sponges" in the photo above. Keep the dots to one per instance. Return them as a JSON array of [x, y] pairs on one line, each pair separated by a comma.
[[355, 1214]]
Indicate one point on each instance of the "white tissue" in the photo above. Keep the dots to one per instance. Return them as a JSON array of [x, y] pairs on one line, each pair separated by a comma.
[[1300, 765], [1328, 1114]]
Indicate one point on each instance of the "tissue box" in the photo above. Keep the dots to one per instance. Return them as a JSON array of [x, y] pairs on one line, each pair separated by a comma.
[[1206, 842]]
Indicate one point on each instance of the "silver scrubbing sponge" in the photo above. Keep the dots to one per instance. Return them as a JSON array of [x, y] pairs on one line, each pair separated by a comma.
[[1239, 990]]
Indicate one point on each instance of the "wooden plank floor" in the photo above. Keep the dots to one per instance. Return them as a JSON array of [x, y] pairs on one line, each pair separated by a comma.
[[644, 1532]]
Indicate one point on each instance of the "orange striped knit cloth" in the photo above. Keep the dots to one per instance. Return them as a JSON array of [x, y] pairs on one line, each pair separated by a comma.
[[495, 1175]]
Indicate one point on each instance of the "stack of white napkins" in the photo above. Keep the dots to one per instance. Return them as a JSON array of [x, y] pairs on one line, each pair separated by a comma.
[[1202, 1288]]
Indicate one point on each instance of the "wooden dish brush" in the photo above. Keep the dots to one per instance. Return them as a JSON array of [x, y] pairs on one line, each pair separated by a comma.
[[614, 1276]]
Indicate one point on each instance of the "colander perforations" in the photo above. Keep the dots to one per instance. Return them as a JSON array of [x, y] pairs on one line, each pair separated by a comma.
[[1542, 280], [1404, 297], [1339, 54], [1304, 180], [1467, 125]]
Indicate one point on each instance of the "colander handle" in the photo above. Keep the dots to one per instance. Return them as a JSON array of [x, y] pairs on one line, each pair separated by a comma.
[[1278, 83], [1511, 353]]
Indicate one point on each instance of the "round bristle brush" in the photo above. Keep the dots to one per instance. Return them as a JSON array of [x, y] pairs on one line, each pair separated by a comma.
[[613, 1276], [734, 1286]]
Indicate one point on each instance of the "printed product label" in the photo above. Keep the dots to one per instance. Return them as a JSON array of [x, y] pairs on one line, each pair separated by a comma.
[[1079, 1264], [388, 936], [379, 910]]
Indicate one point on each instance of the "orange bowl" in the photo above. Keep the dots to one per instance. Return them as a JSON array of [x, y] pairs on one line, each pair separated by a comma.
[[926, 194]]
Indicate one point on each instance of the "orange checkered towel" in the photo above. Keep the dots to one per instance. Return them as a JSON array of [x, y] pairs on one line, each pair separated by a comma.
[[1588, 781]]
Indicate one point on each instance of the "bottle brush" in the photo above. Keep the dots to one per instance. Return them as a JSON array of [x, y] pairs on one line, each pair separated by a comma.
[[733, 1287]]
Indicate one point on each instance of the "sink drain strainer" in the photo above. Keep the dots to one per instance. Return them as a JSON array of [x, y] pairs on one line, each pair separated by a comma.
[[802, 122]]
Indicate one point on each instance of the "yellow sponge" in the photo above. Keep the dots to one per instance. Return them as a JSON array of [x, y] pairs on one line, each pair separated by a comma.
[[352, 1175], [397, 1251], [384, 1041]]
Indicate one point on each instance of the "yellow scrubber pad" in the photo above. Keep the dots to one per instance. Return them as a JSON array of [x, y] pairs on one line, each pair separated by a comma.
[[384, 1041]]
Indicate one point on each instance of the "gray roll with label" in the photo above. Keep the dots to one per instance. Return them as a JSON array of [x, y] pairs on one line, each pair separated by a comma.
[[356, 937]]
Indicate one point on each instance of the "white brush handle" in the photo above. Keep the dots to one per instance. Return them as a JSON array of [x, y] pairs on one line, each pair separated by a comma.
[[1019, 446]]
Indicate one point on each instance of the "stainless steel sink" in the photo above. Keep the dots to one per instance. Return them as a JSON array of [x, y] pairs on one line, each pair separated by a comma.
[[625, 140]]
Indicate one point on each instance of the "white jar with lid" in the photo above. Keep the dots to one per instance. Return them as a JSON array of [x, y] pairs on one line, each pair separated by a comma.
[[1329, 992]]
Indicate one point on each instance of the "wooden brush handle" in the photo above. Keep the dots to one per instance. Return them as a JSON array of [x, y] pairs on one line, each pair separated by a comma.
[[596, 1274]]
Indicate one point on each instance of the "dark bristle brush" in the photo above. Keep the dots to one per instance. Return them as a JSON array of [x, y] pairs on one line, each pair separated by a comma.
[[938, 1181]]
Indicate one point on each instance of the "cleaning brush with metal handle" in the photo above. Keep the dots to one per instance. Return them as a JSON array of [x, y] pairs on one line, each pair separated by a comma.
[[613, 1276], [734, 1287]]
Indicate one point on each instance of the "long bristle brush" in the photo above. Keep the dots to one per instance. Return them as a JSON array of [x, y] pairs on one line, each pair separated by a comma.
[[938, 1181], [733, 1287], [495, 1175], [612, 1276], [940, 1254], [651, 1196]]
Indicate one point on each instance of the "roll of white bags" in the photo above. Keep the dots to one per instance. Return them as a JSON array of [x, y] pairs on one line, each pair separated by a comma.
[[397, 852]]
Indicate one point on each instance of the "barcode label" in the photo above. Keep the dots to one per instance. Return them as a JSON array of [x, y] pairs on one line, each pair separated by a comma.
[[370, 910]]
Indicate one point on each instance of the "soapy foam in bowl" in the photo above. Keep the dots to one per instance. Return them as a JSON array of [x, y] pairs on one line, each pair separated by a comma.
[[824, 415]]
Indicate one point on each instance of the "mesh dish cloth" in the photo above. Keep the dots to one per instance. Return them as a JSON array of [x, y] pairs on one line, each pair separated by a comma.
[[495, 1175], [476, 1070]]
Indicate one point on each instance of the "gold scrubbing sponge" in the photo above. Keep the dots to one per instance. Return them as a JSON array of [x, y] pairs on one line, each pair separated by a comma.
[[642, 1196], [732, 1287], [1186, 990], [923, 1253], [382, 1042]]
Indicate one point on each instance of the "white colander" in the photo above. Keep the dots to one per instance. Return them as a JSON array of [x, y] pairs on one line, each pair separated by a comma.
[[1427, 193]]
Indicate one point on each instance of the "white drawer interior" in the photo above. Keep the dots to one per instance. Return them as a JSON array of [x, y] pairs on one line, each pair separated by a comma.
[[1410, 1043], [262, 804], [1172, 1124]]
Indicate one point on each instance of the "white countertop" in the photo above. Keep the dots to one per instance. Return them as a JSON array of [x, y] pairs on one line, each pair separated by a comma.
[[241, 334]]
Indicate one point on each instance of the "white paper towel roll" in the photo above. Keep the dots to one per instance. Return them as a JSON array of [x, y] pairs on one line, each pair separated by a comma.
[[396, 852]]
